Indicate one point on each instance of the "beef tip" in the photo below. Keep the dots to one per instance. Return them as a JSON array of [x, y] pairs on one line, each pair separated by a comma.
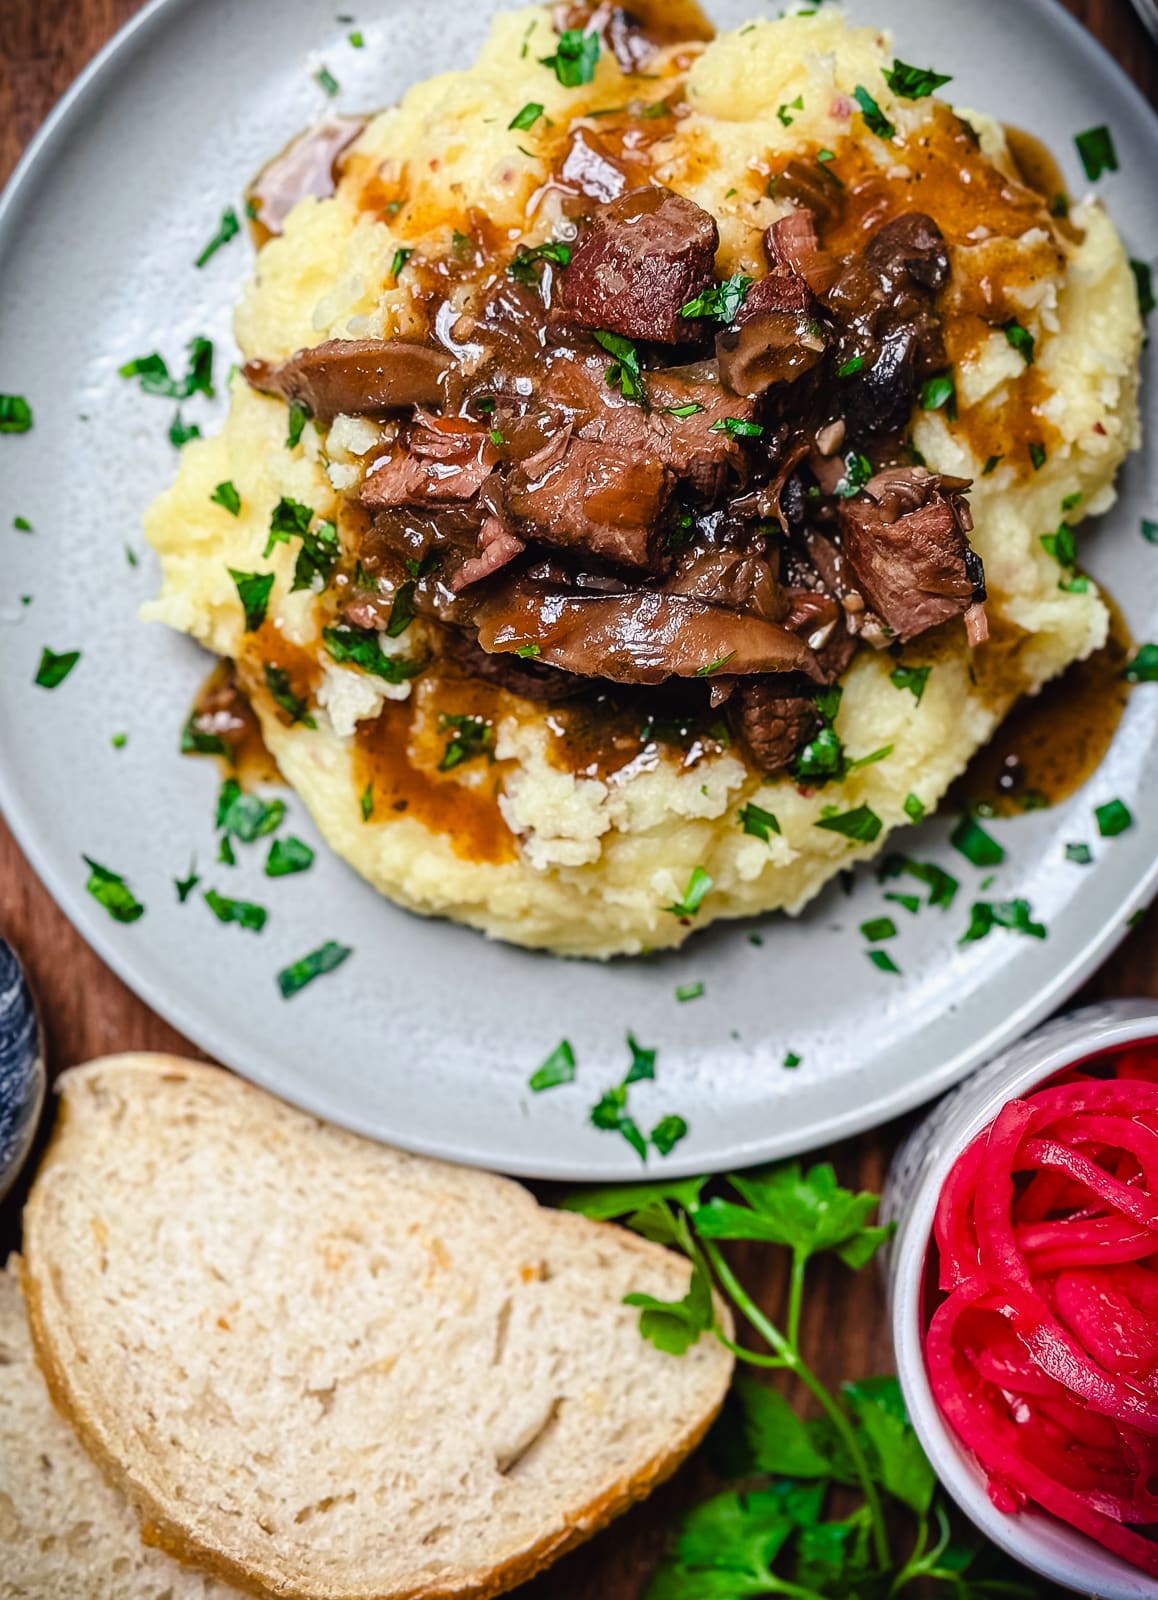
[[439, 459], [905, 540], [591, 170], [776, 337], [644, 635], [355, 377], [773, 717], [525, 678], [793, 246], [911, 247], [497, 545], [737, 577], [643, 257], [596, 497]]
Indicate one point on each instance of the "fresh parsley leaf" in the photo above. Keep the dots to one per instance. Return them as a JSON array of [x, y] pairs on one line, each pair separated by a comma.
[[328, 957], [1113, 818], [758, 822], [288, 856], [977, 846], [913, 679], [253, 590], [914, 808], [1080, 854], [821, 758], [1143, 667], [861, 824], [1020, 338], [110, 890], [119, 741], [1149, 531], [689, 991], [247, 817], [689, 410], [401, 610], [883, 960], [155, 378], [196, 742], [914, 83], [634, 1200], [1096, 148], [228, 228], [357, 40], [939, 392], [778, 1441], [667, 1133], [529, 651], [990, 466], [699, 885], [243, 912], [471, 737], [401, 257], [361, 647], [522, 267], [878, 929], [858, 469], [1062, 546], [1037, 455], [180, 432], [53, 668], [875, 119], [985, 915], [624, 374], [1144, 284], [366, 802], [186, 886], [807, 1211], [609, 1114], [326, 81], [317, 557], [22, 524], [721, 302], [737, 428], [642, 1061], [942, 886], [280, 686], [853, 365], [899, 1464], [673, 1326], [556, 1070], [298, 415], [576, 54], [226, 496], [15, 414], [527, 117], [790, 105], [225, 853], [909, 902]]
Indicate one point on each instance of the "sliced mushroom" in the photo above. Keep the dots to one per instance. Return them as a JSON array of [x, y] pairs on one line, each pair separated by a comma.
[[356, 377]]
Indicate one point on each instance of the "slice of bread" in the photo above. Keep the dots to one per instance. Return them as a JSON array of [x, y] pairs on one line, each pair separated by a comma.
[[328, 1370], [64, 1532]]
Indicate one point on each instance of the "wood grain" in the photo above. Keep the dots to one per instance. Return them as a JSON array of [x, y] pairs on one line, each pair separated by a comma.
[[89, 1012]]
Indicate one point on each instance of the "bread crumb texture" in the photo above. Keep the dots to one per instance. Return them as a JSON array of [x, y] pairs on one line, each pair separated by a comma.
[[595, 859], [324, 1368]]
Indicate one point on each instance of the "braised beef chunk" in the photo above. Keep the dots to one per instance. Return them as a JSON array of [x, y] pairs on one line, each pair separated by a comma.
[[905, 540], [793, 246], [591, 170], [773, 717], [356, 377], [438, 459], [526, 678], [598, 498], [641, 259]]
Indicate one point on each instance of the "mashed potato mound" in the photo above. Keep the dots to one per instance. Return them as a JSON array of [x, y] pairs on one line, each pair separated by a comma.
[[586, 861]]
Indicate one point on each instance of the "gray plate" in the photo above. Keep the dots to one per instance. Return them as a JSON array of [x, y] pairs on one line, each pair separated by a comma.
[[427, 1035]]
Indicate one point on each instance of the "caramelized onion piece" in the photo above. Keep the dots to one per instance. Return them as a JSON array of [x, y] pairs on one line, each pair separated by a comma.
[[356, 377]]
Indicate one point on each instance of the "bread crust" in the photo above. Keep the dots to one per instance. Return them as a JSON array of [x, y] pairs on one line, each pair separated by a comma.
[[163, 1532]]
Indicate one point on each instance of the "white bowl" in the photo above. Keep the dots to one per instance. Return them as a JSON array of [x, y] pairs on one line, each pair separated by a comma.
[[1041, 1542]]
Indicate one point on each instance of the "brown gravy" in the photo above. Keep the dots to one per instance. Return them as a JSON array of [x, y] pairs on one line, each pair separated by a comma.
[[221, 710], [1052, 742]]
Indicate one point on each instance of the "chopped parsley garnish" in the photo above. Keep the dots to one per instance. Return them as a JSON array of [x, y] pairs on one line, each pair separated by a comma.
[[861, 825], [790, 105], [575, 56], [714, 666], [721, 301], [1149, 531], [246, 817], [624, 373], [939, 393], [277, 681], [470, 737], [155, 377], [186, 886], [914, 808], [688, 410], [529, 651], [875, 119], [15, 414], [942, 886], [225, 853], [977, 846], [112, 892], [1063, 547], [1037, 454], [320, 545], [1080, 854], [698, 886], [990, 466], [22, 524], [287, 856], [243, 912], [1143, 667], [1059, 206], [180, 432], [227, 496], [325, 78], [401, 610], [196, 742], [913, 679], [1096, 148], [1072, 500], [293, 979], [759, 823], [908, 902], [522, 267], [821, 758], [119, 741], [361, 647], [558, 1069], [53, 668], [1144, 283], [858, 469], [297, 421], [985, 915], [852, 365], [883, 961], [356, 39], [792, 1060], [401, 257], [878, 929], [737, 428], [253, 590], [689, 991], [228, 229], [366, 802], [667, 1133], [824, 156], [914, 83], [1113, 818], [1020, 338], [527, 117], [609, 1114]]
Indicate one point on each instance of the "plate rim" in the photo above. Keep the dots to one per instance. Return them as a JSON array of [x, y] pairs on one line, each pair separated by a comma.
[[259, 1068]]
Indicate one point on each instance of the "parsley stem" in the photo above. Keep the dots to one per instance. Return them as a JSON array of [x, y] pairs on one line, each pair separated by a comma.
[[812, 1383], [769, 1363], [796, 1296]]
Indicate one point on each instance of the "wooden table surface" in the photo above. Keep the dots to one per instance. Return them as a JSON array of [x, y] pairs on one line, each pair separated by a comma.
[[89, 1012]]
